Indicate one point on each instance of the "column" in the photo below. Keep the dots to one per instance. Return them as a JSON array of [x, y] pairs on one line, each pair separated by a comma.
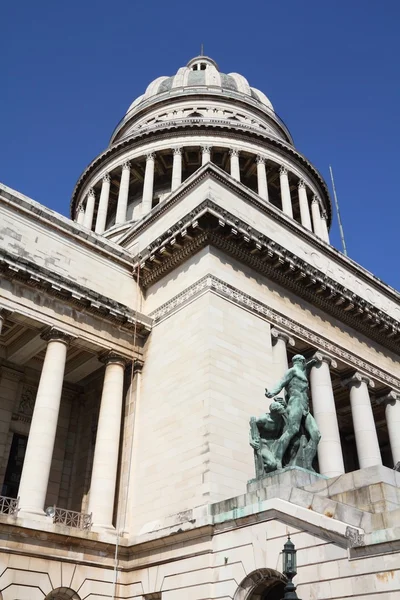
[[105, 461], [304, 207], [285, 192], [235, 167], [122, 203], [392, 414], [39, 452], [205, 154], [147, 199], [280, 341], [316, 217], [330, 456], [103, 204], [367, 444], [81, 215], [324, 227], [176, 169], [90, 202], [262, 178], [2, 319]]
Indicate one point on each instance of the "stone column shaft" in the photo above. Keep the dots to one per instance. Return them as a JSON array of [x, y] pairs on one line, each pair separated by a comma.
[[235, 166], [176, 169], [205, 154], [2, 319], [81, 215], [122, 204], [42, 433], [285, 192], [147, 199], [90, 202], [324, 228], [105, 461], [392, 414], [368, 450], [330, 456], [103, 205], [304, 207], [262, 178], [316, 217]]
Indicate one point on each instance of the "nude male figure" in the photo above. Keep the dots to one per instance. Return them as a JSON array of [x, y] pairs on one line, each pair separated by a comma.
[[295, 382]]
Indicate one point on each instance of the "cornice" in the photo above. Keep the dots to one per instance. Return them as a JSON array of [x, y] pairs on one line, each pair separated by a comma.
[[162, 131], [32, 275], [210, 283], [208, 224]]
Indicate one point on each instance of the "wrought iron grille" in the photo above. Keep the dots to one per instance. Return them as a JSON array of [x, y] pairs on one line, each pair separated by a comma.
[[8, 506], [72, 518]]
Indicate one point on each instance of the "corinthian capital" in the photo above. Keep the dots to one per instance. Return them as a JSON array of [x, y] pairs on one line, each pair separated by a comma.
[[260, 160], [126, 166], [53, 334], [283, 170], [91, 192], [302, 183], [234, 152], [150, 156], [106, 178], [206, 149], [178, 151]]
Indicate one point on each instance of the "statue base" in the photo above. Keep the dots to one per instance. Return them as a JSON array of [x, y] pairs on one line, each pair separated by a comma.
[[286, 477]]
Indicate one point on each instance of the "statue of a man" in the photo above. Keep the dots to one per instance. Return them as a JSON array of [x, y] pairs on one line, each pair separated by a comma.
[[295, 382], [265, 432]]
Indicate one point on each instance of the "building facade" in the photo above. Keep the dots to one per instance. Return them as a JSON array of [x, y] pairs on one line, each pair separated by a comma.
[[137, 338]]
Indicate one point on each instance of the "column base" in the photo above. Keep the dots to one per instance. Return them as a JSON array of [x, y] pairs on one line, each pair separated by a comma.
[[33, 514], [98, 528]]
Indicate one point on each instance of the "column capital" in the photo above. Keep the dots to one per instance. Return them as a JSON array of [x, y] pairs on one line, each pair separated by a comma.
[[302, 184], [81, 208], [110, 356], [91, 192], [315, 200], [260, 160], [324, 215], [53, 334], [178, 150], [234, 152], [106, 177], [150, 156], [206, 149], [283, 170], [276, 335], [137, 365], [356, 379], [324, 358], [388, 398], [126, 166]]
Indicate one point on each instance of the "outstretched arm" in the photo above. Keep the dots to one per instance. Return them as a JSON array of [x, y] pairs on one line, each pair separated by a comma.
[[280, 385], [311, 363]]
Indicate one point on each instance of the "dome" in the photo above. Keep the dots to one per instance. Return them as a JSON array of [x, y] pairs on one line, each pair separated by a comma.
[[202, 72]]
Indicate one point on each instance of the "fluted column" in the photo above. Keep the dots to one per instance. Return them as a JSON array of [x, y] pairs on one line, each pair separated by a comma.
[[122, 204], [90, 202], [330, 456], [205, 154], [42, 433], [392, 414], [235, 167], [305, 216], [105, 460], [81, 215], [262, 178], [367, 444], [285, 192], [324, 227], [148, 184], [103, 204], [176, 169], [316, 217]]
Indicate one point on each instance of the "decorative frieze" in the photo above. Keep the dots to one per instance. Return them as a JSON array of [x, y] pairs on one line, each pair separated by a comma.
[[225, 290]]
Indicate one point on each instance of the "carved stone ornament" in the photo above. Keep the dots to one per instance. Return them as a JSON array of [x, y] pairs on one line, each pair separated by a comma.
[[126, 166], [110, 356], [302, 183], [315, 200], [283, 170], [27, 401], [106, 178], [357, 379], [91, 192], [150, 156], [355, 537], [81, 208], [53, 334], [177, 151], [260, 160], [234, 152], [206, 149]]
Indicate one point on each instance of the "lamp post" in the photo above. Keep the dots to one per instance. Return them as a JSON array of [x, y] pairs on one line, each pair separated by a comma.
[[289, 569]]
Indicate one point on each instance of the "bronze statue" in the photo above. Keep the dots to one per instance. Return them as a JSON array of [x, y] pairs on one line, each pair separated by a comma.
[[287, 436]]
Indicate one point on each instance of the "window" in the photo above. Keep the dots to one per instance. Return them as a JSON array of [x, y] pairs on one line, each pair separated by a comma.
[[14, 466]]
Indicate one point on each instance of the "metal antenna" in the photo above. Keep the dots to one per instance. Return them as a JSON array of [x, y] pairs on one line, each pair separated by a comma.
[[202, 50], [338, 213]]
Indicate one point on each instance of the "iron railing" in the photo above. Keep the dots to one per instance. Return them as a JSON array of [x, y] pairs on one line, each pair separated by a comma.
[[71, 518], [8, 506]]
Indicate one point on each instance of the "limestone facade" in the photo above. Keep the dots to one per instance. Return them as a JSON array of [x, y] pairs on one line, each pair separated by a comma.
[[136, 340]]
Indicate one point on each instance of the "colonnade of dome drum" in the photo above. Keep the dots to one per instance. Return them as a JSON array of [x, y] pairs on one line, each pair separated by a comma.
[[130, 190]]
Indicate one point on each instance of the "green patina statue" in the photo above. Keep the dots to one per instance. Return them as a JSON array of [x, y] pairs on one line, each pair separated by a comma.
[[288, 435]]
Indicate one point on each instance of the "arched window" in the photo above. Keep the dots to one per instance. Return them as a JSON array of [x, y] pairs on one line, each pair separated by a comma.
[[62, 593], [262, 584]]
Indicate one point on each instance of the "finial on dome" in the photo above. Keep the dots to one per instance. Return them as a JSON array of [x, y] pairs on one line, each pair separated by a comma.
[[202, 50]]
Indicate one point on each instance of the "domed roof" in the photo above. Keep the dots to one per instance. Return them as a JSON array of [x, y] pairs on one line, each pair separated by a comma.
[[202, 71]]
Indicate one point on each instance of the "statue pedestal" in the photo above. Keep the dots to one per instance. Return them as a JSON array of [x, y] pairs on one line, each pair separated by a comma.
[[287, 477]]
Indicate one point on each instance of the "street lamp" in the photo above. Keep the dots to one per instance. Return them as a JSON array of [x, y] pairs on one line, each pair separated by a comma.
[[289, 569]]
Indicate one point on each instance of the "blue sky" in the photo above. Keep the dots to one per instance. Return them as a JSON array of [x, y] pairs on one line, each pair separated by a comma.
[[331, 69]]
